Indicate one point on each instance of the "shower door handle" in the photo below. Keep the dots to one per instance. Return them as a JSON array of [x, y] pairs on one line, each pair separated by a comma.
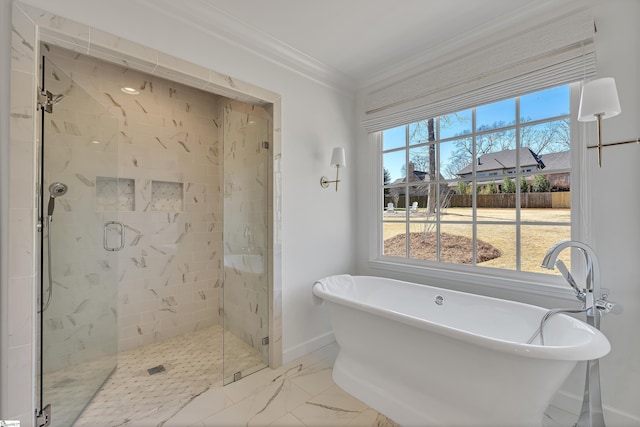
[[105, 243]]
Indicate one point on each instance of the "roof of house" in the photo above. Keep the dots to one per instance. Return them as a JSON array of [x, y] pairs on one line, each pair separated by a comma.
[[501, 160], [561, 160]]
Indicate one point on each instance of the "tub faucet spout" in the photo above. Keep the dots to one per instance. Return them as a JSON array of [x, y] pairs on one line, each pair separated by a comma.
[[591, 292], [595, 303]]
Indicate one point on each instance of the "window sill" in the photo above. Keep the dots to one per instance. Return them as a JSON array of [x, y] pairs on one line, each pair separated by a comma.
[[525, 284]]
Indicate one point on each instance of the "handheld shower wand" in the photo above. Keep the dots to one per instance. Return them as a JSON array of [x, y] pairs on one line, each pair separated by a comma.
[[55, 190]]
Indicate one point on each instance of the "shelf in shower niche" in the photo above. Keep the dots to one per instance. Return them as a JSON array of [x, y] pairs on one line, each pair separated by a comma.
[[115, 194], [167, 196]]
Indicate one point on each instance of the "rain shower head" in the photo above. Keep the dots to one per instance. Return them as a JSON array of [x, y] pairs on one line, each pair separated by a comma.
[[56, 189]]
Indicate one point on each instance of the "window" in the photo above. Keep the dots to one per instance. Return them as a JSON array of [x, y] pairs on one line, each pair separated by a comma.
[[485, 187]]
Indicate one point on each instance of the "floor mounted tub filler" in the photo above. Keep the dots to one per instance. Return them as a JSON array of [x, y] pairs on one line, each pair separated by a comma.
[[426, 356]]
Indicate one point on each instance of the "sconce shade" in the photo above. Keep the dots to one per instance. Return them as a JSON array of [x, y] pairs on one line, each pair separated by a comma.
[[599, 97], [338, 158]]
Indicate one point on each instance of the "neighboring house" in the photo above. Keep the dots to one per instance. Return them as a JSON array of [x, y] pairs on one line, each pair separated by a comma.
[[560, 181], [494, 167], [419, 192]]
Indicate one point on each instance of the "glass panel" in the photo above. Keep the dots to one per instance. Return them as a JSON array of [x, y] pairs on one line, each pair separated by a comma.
[[456, 158], [393, 205], [422, 131], [456, 243], [422, 162], [421, 205], [394, 138], [423, 241], [496, 246], [459, 206], [455, 124], [79, 309], [537, 239], [497, 162], [549, 137], [394, 239], [246, 250], [545, 104], [497, 115], [394, 166]]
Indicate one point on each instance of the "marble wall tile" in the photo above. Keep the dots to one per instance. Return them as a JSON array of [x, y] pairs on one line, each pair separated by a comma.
[[129, 53], [61, 25], [164, 137], [23, 42], [20, 320], [20, 400]]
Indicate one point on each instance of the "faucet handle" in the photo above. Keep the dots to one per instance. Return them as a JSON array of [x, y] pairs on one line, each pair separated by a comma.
[[605, 306]]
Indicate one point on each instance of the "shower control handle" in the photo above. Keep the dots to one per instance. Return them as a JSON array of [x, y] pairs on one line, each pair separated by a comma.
[[105, 243]]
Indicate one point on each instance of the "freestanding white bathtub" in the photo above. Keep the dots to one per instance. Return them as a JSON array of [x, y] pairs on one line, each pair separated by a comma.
[[426, 356]]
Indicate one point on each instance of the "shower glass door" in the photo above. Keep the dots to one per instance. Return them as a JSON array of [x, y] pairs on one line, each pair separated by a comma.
[[246, 237], [78, 311]]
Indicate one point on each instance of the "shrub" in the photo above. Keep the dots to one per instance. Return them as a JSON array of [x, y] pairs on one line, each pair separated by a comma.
[[508, 185], [541, 184], [491, 188], [524, 185], [462, 188]]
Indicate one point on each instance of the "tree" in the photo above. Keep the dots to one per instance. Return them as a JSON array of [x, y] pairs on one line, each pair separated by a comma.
[[491, 188], [524, 185], [541, 184], [508, 185], [424, 159]]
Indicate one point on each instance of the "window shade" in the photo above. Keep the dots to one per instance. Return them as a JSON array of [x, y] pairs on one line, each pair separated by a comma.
[[557, 52]]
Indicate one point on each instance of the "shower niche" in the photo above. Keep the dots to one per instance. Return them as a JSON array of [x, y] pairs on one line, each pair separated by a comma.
[[167, 196], [115, 194]]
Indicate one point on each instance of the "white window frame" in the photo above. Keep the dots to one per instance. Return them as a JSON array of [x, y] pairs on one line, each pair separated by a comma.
[[526, 282]]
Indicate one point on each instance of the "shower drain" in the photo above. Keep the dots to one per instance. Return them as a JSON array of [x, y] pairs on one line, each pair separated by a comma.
[[156, 370]]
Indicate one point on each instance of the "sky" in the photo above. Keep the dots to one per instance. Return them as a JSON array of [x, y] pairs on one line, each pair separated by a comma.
[[535, 106]]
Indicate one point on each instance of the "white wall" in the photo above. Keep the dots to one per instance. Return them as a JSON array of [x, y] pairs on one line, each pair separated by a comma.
[[613, 231], [317, 225]]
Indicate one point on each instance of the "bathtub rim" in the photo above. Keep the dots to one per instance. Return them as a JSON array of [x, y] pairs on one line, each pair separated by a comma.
[[596, 347]]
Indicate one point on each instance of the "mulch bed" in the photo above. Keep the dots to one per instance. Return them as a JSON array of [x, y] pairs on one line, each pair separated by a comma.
[[453, 249]]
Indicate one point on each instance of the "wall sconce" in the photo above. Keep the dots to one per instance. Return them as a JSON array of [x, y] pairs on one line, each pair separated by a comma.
[[599, 100], [337, 160]]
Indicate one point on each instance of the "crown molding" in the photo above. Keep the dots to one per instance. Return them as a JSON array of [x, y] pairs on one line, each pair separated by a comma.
[[220, 24]]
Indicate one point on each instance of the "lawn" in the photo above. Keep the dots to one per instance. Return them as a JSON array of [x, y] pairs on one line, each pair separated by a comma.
[[535, 239]]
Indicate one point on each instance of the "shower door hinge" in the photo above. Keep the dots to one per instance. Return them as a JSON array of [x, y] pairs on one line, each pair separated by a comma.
[[43, 419], [237, 376], [45, 101], [265, 145], [265, 341]]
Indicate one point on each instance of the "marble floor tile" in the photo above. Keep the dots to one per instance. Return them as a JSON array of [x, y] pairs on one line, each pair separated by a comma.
[[299, 394]]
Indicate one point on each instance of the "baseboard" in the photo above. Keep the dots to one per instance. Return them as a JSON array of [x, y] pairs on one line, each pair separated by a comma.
[[307, 347], [572, 403]]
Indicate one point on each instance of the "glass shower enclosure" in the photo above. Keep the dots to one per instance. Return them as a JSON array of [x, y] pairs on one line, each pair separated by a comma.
[[84, 198], [246, 241], [79, 239]]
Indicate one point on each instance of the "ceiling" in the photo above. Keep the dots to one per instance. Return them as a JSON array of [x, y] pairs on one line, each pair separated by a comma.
[[355, 41]]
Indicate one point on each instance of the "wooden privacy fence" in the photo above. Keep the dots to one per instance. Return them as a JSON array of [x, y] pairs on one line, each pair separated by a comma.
[[502, 200]]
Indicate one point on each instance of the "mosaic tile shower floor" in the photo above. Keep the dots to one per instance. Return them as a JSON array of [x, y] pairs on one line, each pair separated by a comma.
[[192, 363]]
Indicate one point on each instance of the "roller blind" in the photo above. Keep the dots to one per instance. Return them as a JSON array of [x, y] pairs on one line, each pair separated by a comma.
[[557, 52]]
